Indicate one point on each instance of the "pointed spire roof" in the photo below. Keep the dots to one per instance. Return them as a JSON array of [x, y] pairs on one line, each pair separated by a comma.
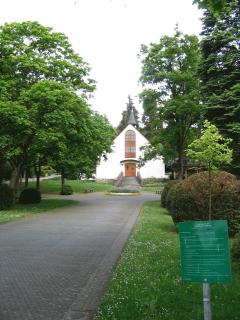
[[132, 119]]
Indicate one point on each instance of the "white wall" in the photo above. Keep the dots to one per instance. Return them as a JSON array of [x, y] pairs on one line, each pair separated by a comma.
[[111, 168], [153, 168]]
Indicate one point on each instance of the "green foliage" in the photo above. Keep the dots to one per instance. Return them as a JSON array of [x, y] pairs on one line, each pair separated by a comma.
[[47, 171], [67, 190], [31, 52], [211, 148], [7, 197], [44, 86], [171, 95], [30, 195], [214, 6], [165, 191], [220, 73], [188, 200], [235, 249]]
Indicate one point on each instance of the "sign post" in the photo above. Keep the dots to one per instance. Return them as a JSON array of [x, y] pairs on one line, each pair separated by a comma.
[[207, 302], [205, 256]]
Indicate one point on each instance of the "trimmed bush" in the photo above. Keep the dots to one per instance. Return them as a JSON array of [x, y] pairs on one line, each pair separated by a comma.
[[165, 191], [30, 195], [188, 200], [7, 197], [67, 190]]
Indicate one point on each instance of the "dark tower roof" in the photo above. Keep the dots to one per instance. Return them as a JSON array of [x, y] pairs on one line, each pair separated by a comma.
[[132, 119]]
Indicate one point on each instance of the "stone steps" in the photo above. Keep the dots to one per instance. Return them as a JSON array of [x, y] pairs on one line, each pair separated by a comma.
[[129, 183]]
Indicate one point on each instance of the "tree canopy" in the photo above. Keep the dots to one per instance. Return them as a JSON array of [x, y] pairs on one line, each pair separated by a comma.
[[213, 6], [44, 114], [171, 95], [220, 73]]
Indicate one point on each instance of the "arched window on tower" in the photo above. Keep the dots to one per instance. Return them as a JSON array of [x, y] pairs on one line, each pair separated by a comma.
[[130, 144]]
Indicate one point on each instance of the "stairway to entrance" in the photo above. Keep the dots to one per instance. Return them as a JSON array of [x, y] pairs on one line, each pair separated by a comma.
[[129, 183]]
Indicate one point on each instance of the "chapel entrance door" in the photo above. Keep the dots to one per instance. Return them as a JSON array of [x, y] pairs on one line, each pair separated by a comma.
[[130, 169]]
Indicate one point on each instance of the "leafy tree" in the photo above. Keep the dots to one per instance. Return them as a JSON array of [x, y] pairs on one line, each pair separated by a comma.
[[213, 6], [212, 150], [171, 95], [31, 53], [58, 116], [15, 129], [85, 150], [220, 73], [126, 114], [66, 133]]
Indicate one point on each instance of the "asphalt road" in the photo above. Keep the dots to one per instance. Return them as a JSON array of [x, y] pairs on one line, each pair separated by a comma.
[[56, 266]]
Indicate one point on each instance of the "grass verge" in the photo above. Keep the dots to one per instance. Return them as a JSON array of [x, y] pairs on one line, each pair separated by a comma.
[[20, 210], [147, 282], [54, 186]]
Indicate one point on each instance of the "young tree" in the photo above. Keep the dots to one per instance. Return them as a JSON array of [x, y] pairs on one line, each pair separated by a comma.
[[212, 150], [171, 94], [126, 114], [220, 73]]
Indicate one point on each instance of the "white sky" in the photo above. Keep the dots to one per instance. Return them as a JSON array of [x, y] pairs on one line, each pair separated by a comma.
[[108, 35]]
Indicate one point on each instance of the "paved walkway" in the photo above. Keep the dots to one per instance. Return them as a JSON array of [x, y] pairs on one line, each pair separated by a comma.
[[55, 266]]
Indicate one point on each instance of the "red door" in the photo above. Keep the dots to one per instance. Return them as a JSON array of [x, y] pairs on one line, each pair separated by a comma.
[[130, 169]]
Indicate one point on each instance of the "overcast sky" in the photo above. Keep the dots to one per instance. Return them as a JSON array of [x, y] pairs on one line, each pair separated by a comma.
[[108, 35]]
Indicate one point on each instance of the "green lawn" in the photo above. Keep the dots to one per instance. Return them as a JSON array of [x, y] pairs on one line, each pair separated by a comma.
[[54, 186], [147, 283], [20, 210]]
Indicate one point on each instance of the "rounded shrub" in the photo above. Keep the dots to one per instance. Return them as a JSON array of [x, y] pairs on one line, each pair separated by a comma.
[[66, 190], [189, 199], [165, 191], [30, 195], [7, 197]]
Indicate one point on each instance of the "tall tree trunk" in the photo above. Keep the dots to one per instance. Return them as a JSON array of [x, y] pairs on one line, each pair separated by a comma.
[[181, 162], [15, 175], [38, 175], [62, 180], [27, 173]]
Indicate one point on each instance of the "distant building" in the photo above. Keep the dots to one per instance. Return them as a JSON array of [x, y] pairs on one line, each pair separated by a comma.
[[125, 157]]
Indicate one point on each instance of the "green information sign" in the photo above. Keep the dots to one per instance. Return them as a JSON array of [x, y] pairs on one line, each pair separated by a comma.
[[205, 253]]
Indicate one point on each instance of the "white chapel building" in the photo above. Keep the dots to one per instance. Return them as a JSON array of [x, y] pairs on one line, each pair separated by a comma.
[[125, 157]]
